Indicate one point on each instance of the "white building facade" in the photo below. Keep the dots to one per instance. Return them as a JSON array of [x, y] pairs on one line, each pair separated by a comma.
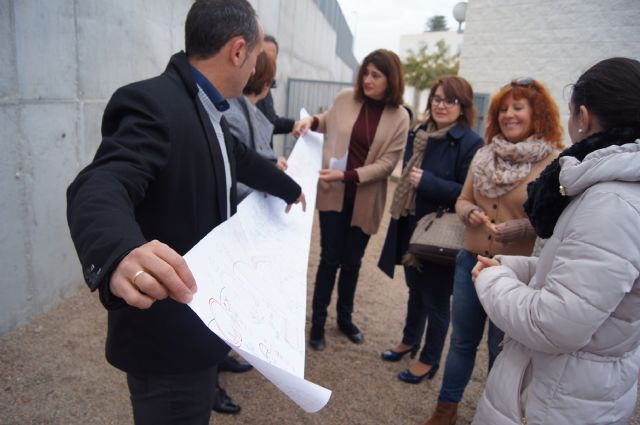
[[552, 41]]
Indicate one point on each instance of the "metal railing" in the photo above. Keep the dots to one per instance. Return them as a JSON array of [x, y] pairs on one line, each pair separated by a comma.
[[314, 95]]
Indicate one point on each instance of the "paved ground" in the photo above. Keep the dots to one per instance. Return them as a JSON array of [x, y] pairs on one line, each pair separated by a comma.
[[52, 371]]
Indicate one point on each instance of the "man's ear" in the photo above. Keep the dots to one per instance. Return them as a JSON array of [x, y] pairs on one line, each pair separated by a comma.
[[237, 50]]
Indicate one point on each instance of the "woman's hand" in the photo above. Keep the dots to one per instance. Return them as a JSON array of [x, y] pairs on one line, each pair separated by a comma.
[[477, 217], [414, 176], [483, 263], [282, 163], [301, 127], [513, 230], [331, 175]]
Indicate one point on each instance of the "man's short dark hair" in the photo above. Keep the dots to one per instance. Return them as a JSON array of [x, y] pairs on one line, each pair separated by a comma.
[[268, 38], [212, 23]]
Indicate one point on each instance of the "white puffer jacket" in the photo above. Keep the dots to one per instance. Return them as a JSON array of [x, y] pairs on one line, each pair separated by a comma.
[[572, 316]]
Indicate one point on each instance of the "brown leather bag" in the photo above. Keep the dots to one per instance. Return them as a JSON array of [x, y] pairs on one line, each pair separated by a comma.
[[437, 238]]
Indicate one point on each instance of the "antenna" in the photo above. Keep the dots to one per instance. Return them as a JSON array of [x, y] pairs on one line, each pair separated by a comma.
[[460, 14]]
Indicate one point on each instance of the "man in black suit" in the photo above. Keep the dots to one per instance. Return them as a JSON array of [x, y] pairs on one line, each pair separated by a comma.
[[163, 177]]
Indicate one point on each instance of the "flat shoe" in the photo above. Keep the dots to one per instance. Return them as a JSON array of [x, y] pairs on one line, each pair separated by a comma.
[[356, 338], [230, 364], [318, 344], [352, 332], [225, 404]]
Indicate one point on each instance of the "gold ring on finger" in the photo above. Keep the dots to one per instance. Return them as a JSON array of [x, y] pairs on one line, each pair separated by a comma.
[[135, 276]]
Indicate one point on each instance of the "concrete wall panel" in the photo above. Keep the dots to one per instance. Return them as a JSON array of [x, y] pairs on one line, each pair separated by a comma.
[[51, 158], [119, 43], [179, 11], [14, 294], [8, 73], [269, 15], [46, 46]]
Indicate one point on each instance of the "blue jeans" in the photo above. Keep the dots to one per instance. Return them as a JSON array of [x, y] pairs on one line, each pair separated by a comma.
[[428, 304], [468, 319]]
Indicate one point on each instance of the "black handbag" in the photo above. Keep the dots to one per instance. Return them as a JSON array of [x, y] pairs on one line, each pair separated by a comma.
[[437, 238]]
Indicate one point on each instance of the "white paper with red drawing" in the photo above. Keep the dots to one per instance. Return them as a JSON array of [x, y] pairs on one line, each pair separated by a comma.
[[251, 273]]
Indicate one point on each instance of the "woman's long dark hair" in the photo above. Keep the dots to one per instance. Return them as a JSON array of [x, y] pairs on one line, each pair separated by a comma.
[[390, 65], [609, 90]]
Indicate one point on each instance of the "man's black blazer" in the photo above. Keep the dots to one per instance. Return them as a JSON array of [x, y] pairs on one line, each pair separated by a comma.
[[281, 125], [158, 174]]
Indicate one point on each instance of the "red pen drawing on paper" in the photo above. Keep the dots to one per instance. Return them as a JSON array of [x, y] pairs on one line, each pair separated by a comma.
[[225, 319]]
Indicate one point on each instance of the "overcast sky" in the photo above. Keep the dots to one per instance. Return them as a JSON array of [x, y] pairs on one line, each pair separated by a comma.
[[380, 23]]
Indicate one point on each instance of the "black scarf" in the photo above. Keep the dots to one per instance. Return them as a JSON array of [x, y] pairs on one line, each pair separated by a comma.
[[545, 202]]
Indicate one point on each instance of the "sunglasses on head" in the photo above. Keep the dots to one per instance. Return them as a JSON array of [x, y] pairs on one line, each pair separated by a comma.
[[522, 82]]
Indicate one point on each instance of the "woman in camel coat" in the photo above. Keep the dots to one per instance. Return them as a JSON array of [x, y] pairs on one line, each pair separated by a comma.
[[365, 130]]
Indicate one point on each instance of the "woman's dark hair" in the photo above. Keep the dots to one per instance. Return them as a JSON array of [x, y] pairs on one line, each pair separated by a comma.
[[389, 64], [610, 89], [212, 23], [456, 88], [264, 73]]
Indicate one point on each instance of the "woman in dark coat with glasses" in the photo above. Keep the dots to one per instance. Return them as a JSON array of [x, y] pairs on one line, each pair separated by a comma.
[[436, 161]]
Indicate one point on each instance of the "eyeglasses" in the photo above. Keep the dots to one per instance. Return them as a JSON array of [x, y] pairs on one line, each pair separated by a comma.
[[446, 101], [522, 82]]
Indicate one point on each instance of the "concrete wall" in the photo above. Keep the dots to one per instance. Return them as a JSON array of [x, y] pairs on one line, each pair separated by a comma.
[[307, 44], [60, 61], [552, 41]]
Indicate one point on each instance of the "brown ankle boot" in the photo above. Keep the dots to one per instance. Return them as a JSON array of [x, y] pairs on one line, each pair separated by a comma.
[[445, 414]]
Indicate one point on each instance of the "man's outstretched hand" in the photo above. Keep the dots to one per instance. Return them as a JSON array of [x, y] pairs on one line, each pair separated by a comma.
[[152, 272], [302, 199]]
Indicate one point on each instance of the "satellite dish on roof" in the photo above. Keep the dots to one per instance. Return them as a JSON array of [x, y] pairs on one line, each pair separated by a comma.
[[460, 13]]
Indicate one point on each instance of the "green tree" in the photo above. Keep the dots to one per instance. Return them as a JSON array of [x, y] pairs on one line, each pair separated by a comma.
[[422, 69], [436, 23]]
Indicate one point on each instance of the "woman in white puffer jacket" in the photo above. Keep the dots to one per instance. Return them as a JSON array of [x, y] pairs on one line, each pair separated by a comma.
[[572, 316]]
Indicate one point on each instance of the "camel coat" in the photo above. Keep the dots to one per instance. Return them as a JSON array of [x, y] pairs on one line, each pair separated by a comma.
[[506, 207], [386, 148]]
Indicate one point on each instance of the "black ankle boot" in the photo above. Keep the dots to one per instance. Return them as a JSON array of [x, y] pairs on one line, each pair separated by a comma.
[[352, 332], [316, 339]]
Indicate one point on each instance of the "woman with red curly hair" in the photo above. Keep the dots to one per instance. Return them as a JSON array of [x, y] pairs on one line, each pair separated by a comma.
[[523, 136]]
